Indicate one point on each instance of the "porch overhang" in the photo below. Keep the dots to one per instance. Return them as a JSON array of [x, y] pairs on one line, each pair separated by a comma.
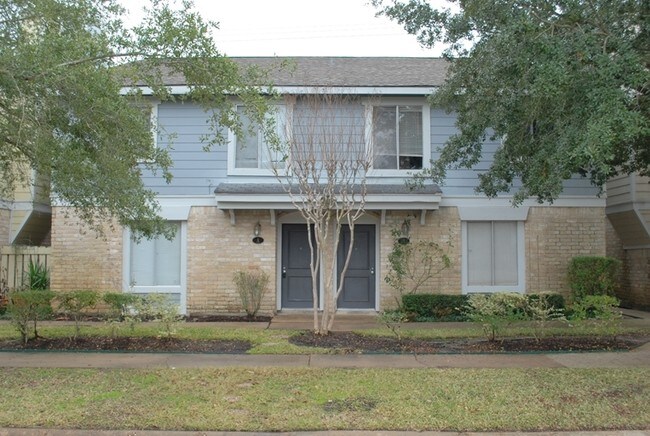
[[274, 197]]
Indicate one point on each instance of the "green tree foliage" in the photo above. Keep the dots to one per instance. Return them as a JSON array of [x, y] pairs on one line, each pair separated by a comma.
[[564, 84], [63, 66]]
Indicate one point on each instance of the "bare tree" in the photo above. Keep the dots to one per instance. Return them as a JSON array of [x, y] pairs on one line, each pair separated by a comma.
[[327, 158]]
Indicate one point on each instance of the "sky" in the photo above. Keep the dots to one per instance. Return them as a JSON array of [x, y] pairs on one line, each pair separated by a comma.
[[304, 28]]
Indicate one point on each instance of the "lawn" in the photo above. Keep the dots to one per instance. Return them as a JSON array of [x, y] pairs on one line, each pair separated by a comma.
[[321, 399]]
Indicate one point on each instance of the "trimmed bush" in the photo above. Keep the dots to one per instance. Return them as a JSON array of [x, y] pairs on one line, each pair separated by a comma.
[[27, 307], [74, 303], [435, 307], [593, 275], [119, 304]]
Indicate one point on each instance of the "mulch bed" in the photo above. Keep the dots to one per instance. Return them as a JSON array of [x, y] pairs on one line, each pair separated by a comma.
[[227, 318], [339, 342], [141, 344], [346, 342]]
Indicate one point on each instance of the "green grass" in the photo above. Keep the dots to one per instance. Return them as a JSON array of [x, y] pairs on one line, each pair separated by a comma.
[[327, 399]]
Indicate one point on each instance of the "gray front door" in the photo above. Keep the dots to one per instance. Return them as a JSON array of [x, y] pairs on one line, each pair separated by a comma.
[[359, 282], [296, 273], [359, 285]]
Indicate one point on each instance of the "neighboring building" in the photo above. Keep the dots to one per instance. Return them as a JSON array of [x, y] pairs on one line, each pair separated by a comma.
[[216, 199], [25, 219], [628, 235], [25, 223]]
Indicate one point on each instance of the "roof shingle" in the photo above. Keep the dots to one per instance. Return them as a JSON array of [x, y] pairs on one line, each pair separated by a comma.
[[344, 71]]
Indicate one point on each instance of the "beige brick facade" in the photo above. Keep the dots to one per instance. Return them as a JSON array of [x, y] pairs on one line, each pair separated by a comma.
[[441, 226], [554, 235], [82, 260], [216, 249]]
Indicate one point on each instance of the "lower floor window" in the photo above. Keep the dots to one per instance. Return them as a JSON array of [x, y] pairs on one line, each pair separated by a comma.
[[156, 261], [157, 265], [493, 255]]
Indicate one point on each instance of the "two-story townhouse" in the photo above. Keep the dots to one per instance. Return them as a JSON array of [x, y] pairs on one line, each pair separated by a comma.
[[219, 198]]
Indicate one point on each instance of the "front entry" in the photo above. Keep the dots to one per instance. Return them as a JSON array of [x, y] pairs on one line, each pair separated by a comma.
[[359, 285]]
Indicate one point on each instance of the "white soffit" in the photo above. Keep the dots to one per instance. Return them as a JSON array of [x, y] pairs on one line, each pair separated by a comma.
[[175, 213]]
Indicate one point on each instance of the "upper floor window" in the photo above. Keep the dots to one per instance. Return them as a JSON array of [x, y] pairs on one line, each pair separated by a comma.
[[251, 151], [398, 137], [149, 111]]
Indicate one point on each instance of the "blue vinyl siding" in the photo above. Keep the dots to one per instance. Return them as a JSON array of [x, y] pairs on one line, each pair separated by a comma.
[[461, 182], [197, 172]]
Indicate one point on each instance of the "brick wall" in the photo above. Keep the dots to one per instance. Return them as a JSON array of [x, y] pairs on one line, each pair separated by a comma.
[[82, 260], [554, 235], [634, 288], [635, 291], [441, 226], [216, 249]]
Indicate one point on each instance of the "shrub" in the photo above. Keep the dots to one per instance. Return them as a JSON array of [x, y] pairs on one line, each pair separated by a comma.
[[27, 307], [121, 309], [435, 307], [543, 308], [495, 312], [411, 265], [4, 295], [38, 277], [251, 286], [159, 307], [592, 275], [74, 303], [119, 304], [393, 320], [552, 299], [601, 310]]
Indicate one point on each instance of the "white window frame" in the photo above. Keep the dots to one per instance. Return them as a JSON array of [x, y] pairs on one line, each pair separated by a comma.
[[181, 288], [426, 133], [152, 105], [283, 114], [521, 262]]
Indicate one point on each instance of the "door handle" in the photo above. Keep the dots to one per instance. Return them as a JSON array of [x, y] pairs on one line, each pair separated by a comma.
[[284, 271], [372, 270]]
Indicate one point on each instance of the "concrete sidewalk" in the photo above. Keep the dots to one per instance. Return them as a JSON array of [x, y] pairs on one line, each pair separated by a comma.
[[639, 358]]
